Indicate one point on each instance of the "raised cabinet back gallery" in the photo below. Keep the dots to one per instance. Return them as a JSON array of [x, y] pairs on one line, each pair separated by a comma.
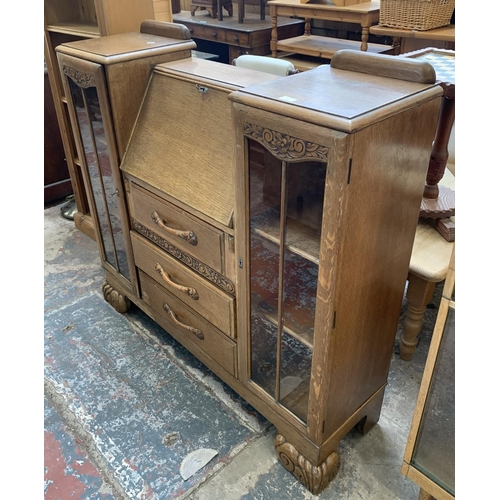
[[266, 227]]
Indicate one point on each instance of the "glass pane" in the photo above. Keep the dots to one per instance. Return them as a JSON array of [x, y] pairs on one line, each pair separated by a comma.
[[434, 453], [264, 265], [98, 163], [304, 210], [286, 204]]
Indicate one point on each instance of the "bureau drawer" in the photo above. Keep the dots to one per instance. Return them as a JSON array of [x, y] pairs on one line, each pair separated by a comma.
[[186, 326], [177, 227], [206, 299]]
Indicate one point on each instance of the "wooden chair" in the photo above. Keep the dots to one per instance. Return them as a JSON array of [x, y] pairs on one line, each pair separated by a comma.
[[429, 264]]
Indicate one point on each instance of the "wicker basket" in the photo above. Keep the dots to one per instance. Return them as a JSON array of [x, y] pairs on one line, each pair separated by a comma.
[[418, 15]]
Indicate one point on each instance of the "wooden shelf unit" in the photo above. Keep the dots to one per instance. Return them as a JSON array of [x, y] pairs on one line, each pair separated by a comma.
[[364, 14], [69, 21]]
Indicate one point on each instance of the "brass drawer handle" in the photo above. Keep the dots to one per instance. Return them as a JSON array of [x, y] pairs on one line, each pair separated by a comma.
[[185, 289], [189, 236], [191, 329]]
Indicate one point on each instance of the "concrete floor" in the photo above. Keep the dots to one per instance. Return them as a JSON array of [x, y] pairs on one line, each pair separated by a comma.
[[125, 404]]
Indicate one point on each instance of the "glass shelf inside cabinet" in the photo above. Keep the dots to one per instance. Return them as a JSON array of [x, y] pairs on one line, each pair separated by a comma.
[[286, 207], [434, 453]]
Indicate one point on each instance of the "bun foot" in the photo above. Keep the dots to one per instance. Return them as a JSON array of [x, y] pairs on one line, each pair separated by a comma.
[[314, 477], [116, 299]]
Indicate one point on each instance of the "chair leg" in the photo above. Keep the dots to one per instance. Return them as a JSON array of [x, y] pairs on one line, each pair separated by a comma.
[[418, 294]]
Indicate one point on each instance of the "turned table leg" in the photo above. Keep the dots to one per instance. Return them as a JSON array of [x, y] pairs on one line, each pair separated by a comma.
[[307, 26], [396, 44], [439, 155], [314, 477], [418, 295], [274, 31], [365, 32]]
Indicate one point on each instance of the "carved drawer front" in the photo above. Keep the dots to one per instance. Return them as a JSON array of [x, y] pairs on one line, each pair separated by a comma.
[[177, 228], [196, 292], [187, 326]]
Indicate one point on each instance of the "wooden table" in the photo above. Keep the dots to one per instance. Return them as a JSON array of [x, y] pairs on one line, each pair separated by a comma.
[[364, 14], [230, 38], [444, 36]]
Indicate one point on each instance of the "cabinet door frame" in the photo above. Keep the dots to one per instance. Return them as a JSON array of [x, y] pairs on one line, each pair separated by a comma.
[[88, 74], [337, 162]]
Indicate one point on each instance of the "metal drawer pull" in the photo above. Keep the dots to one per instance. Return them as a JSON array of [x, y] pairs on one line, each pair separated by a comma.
[[191, 329], [189, 236], [185, 289]]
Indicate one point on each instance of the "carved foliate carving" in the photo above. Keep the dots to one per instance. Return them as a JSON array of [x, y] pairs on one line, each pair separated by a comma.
[[314, 477], [286, 147], [83, 80], [203, 269], [117, 300]]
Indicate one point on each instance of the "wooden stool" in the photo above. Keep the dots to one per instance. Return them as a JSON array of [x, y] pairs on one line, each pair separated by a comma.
[[428, 266], [211, 7]]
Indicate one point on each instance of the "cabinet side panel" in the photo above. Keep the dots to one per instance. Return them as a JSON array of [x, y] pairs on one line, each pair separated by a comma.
[[389, 167]]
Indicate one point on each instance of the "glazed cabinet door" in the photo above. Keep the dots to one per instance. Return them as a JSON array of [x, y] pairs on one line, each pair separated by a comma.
[[284, 200], [85, 86]]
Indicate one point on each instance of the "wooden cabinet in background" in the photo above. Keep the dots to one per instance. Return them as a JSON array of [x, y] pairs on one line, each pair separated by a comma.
[[57, 183], [73, 20], [104, 81]]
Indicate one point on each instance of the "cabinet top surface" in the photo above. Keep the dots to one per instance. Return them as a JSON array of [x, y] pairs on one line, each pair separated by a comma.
[[347, 99], [220, 74], [125, 43], [325, 5]]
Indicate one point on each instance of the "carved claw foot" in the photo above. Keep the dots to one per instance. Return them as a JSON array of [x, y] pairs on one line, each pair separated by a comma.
[[116, 299], [314, 477]]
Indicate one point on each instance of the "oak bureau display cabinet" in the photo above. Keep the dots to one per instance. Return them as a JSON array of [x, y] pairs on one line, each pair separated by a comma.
[[269, 231], [104, 80], [323, 240]]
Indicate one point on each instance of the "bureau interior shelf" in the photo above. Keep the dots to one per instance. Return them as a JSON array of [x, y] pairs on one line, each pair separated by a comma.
[[301, 239]]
